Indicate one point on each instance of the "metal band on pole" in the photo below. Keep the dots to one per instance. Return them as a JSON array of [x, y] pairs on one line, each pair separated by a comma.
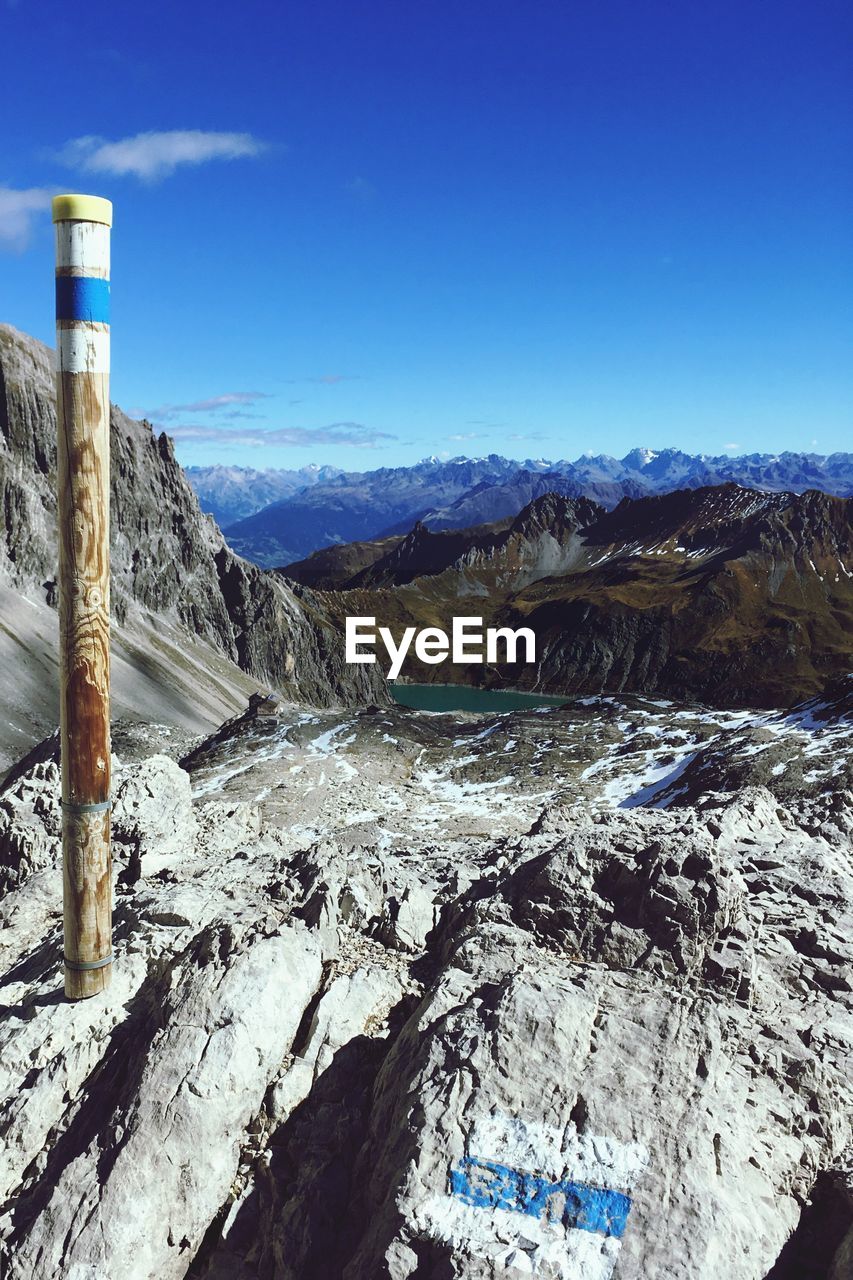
[[82, 967], [71, 807], [83, 479]]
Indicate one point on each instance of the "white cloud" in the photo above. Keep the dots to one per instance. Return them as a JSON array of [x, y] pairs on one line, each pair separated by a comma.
[[231, 401], [17, 210], [157, 155], [731, 448]]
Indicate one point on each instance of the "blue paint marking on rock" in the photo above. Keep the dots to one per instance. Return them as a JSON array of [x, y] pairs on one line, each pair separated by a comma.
[[489, 1185], [83, 298]]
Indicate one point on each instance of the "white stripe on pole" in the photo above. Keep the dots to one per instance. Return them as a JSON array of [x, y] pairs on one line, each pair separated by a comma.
[[83, 349], [84, 247]]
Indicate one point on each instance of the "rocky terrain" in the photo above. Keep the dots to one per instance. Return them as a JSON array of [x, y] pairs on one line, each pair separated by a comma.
[[725, 594], [196, 626], [459, 492], [564, 992]]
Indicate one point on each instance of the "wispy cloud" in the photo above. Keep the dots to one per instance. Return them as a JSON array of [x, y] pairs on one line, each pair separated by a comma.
[[18, 207], [731, 448], [352, 435], [229, 405], [153, 155], [531, 435], [466, 435]]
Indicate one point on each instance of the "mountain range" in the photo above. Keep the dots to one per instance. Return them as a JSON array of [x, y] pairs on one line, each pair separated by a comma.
[[723, 594], [320, 507]]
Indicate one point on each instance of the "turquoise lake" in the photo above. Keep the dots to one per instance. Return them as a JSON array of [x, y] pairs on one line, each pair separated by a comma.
[[459, 697]]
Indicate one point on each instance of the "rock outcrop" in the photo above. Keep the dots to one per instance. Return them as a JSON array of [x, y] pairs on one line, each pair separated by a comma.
[[441, 996]]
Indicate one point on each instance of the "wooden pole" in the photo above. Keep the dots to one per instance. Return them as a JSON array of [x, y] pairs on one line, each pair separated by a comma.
[[83, 480]]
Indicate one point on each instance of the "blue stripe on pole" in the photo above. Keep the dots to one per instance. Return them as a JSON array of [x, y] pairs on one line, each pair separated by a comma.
[[83, 298], [489, 1185]]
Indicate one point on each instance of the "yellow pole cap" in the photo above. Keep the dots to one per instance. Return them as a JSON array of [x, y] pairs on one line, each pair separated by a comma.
[[82, 209]]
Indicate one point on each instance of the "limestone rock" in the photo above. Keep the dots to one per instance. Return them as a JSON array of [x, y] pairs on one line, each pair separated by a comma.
[[491, 1003], [156, 1151], [153, 812], [30, 825]]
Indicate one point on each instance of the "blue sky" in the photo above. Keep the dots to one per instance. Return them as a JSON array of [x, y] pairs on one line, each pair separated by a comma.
[[362, 233]]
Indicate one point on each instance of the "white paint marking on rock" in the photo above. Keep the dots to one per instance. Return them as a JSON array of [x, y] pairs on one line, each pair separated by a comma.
[[560, 1153], [527, 1243], [516, 1240]]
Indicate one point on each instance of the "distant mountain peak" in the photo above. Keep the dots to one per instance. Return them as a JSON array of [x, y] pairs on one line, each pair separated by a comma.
[[639, 458]]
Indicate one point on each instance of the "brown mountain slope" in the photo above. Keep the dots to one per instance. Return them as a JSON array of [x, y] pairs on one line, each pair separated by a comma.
[[334, 567], [540, 539], [721, 594]]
